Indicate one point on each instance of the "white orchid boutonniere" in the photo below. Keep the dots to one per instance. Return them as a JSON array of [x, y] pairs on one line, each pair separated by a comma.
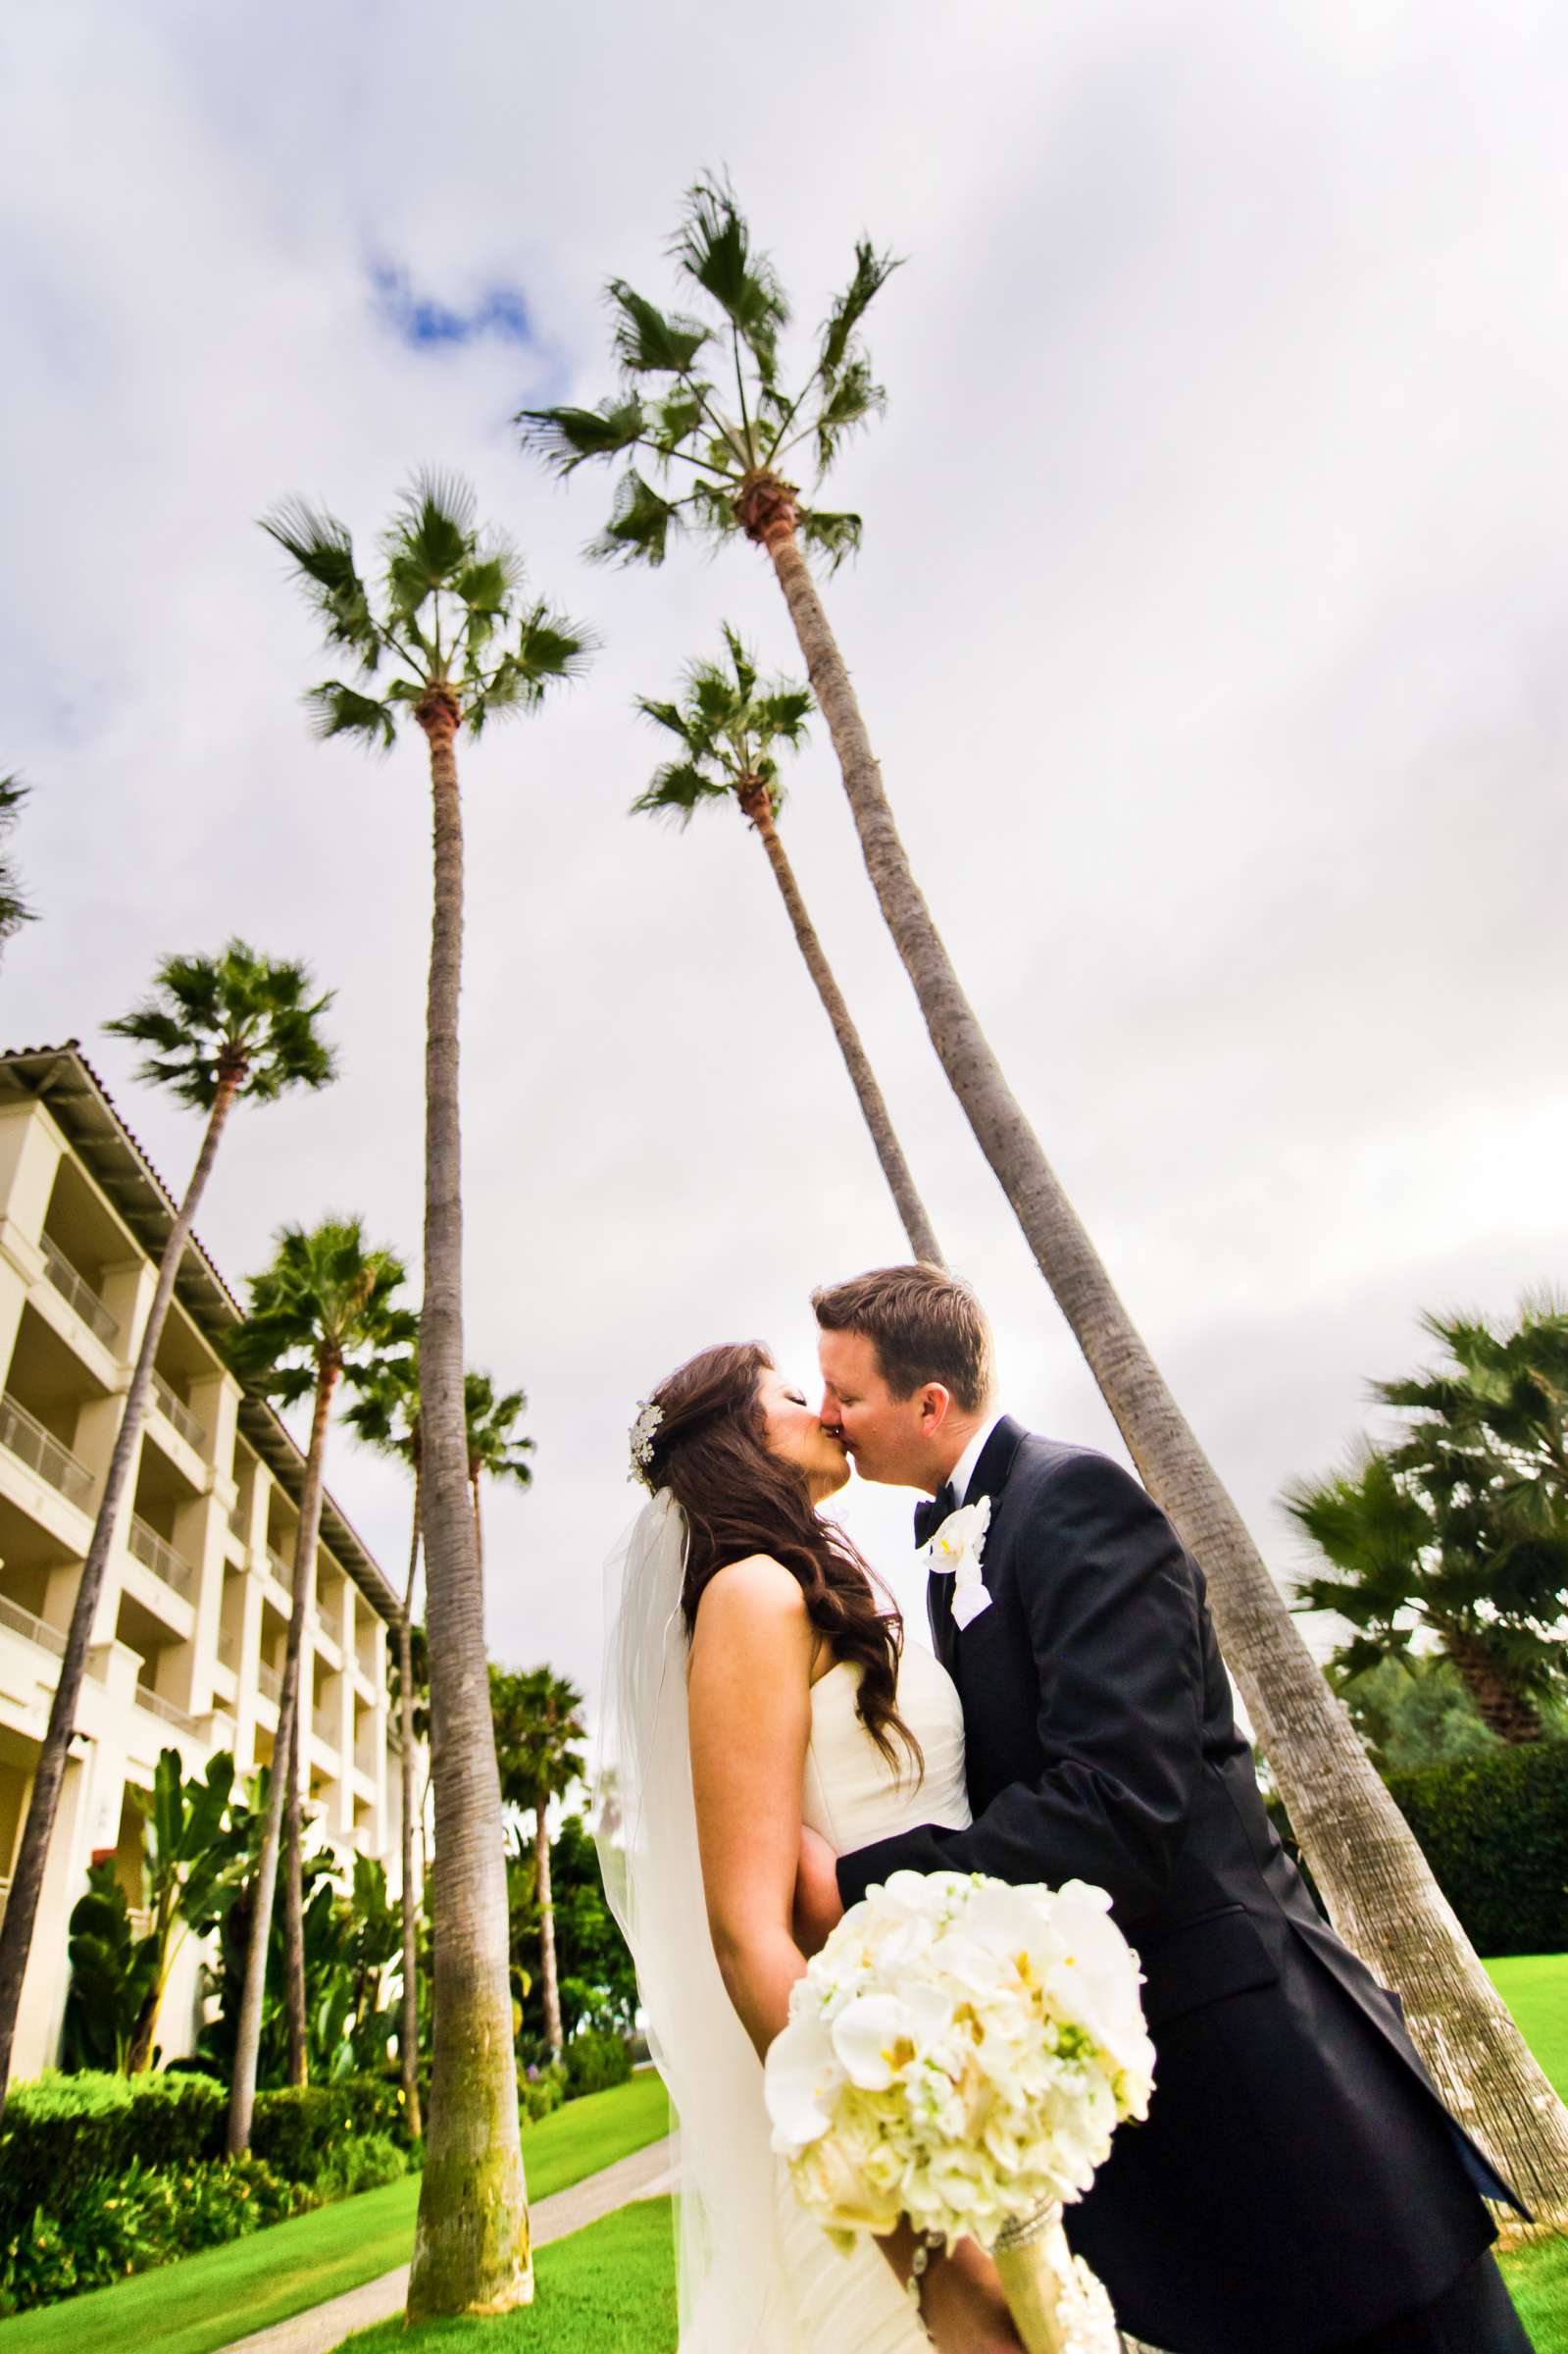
[[957, 1546]]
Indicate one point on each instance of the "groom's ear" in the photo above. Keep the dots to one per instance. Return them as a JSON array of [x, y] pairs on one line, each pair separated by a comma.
[[933, 1402]]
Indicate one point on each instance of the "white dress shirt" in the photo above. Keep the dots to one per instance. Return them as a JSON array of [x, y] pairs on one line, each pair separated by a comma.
[[963, 1471]]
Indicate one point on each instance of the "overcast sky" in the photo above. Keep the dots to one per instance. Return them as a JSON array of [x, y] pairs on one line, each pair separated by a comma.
[[1210, 627]]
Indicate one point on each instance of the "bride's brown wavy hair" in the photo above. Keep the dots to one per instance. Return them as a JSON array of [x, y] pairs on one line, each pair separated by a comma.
[[711, 1452]]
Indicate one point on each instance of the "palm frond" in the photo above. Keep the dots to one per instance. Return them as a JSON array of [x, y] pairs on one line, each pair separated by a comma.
[[853, 399], [13, 908], [713, 246], [678, 791], [674, 421], [567, 438], [663, 715], [640, 524], [429, 542], [872, 272], [340, 710], [321, 551], [649, 341], [833, 536]]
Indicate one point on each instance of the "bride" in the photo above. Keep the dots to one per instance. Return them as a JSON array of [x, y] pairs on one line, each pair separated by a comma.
[[753, 1681]]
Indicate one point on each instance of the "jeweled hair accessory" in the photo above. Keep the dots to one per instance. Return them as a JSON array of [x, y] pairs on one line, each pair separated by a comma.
[[640, 1439]]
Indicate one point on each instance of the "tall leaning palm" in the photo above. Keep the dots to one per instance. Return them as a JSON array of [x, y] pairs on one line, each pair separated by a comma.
[[385, 1416], [446, 637], [323, 1313], [219, 1030], [674, 416], [727, 730], [538, 1728]]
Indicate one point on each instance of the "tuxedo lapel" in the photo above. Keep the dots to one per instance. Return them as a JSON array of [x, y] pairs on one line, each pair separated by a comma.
[[988, 1479]]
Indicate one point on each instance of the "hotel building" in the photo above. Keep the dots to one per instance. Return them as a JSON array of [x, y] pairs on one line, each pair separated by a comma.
[[187, 1646]]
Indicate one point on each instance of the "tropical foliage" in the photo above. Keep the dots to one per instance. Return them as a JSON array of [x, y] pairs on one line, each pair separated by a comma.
[[538, 1724], [1456, 1533], [13, 908], [219, 1030]]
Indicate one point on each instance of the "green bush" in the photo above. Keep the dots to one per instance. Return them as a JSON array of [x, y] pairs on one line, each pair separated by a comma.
[[362, 2163], [543, 2094], [63, 2133], [147, 2216], [1495, 1830], [594, 2061]]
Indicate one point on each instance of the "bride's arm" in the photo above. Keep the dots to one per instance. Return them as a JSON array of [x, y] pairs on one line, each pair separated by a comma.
[[749, 1704]]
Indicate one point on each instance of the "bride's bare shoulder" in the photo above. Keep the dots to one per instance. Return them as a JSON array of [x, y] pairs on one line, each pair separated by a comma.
[[758, 1592]]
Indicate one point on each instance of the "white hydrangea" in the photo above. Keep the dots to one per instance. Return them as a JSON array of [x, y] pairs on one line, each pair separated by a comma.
[[960, 2052]]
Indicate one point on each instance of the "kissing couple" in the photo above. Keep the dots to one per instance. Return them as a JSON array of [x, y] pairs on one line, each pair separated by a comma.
[[773, 1745]]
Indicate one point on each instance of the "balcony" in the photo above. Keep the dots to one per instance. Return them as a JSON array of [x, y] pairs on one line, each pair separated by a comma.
[[325, 1726], [269, 1683], [239, 1523], [282, 1571], [229, 1649], [42, 1451], [78, 1291], [179, 1417], [36, 1630], [161, 1559], [156, 1705]]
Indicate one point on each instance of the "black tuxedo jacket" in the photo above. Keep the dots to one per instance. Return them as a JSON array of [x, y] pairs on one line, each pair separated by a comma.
[[1298, 2183]]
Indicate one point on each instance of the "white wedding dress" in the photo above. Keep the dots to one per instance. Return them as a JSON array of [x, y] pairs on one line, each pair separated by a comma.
[[853, 2304], [757, 2276]]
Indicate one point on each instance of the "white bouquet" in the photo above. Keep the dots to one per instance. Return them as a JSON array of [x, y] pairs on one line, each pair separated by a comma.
[[960, 2052]]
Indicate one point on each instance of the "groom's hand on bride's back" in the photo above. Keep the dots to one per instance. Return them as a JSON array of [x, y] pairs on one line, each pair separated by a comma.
[[818, 1906]]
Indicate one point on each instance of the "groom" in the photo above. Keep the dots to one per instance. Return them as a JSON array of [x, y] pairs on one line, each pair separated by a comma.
[[1298, 2187]]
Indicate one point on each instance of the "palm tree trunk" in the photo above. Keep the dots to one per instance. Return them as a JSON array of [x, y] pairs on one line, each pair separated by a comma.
[[1380, 1890], [264, 1888], [911, 1209], [294, 1909], [1504, 1708], [478, 1525], [26, 1876], [541, 1874], [408, 2026], [470, 2246]]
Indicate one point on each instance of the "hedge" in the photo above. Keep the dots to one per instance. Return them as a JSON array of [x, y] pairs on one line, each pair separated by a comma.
[[1495, 1829], [63, 2133]]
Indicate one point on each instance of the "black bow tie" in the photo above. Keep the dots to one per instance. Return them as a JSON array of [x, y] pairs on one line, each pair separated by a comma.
[[929, 1517]]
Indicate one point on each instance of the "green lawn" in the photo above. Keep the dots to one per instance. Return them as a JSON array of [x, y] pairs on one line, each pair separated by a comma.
[[1535, 1987], [607, 2290], [208, 2300]]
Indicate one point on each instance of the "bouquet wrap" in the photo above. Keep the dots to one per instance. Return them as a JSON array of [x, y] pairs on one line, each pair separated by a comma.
[[960, 2053]]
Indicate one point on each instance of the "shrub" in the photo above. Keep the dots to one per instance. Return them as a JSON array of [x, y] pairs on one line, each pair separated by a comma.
[[1495, 1830], [63, 2133], [594, 2061], [146, 2216], [362, 2163], [541, 2092]]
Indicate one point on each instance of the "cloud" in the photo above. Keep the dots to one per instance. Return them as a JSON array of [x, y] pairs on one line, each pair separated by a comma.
[[425, 324]]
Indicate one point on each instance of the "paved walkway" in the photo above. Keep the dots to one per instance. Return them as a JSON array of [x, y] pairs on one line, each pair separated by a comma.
[[646, 2174]]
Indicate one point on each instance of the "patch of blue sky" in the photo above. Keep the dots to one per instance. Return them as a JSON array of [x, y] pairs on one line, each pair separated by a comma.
[[425, 323]]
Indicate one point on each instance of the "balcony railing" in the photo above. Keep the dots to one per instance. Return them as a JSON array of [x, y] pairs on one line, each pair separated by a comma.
[[161, 1559], [74, 1287], [227, 1648], [269, 1683], [180, 1416], [326, 1728], [42, 1451], [239, 1522], [282, 1571], [167, 1710], [37, 1630]]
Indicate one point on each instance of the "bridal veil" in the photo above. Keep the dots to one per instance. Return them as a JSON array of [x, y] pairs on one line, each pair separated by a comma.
[[734, 2281]]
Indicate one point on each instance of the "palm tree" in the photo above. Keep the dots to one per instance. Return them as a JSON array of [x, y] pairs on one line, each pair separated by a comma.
[[13, 908], [539, 1721], [386, 1414], [322, 1312], [727, 731], [1461, 1525], [671, 410], [451, 644], [221, 1029], [493, 1448]]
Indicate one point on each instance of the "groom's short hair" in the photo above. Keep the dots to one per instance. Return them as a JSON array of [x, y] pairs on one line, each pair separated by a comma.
[[924, 1324]]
